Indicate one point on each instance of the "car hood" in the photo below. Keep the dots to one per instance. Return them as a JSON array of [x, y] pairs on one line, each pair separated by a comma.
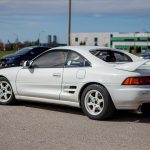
[[133, 65]]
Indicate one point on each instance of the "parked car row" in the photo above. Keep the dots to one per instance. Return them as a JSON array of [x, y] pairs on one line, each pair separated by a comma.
[[98, 80]]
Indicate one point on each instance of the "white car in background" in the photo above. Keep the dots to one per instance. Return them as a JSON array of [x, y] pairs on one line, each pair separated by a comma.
[[99, 80]]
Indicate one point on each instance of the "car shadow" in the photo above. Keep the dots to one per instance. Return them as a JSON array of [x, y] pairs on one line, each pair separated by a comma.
[[130, 116], [51, 107], [119, 116]]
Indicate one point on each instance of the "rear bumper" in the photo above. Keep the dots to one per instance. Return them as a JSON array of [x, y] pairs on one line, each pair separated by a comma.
[[129, 97]]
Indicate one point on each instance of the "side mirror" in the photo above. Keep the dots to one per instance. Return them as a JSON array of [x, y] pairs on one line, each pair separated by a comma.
[[27, 64]]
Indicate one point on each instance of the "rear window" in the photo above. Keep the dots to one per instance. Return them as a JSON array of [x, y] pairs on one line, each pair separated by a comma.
[[111, 56]]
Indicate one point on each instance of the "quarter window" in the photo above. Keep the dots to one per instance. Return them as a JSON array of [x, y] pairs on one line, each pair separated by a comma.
[[51, 59], [76, 60]]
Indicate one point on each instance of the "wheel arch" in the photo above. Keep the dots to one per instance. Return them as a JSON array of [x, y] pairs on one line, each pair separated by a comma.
[[12, 98], [1, 76], [86, 85]]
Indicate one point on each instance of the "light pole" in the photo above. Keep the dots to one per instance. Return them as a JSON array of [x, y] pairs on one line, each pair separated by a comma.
[[69, 24]]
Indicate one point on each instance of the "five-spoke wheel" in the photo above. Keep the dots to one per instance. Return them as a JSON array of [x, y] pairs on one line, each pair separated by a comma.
[[96, 102], [6, 92]]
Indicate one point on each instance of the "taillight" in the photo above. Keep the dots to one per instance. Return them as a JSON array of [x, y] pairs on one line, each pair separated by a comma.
[[137, 81]]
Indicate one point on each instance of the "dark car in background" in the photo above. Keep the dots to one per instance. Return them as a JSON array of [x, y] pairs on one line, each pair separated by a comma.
[[17, 58], [146, 54]]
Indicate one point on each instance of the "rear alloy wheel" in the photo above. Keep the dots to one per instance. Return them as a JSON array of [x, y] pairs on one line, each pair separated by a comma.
[[6, 92], [96, 102]]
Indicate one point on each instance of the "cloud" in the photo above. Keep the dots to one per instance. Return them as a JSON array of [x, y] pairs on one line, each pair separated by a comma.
[[33, 7], [114, 7], [79, 7]]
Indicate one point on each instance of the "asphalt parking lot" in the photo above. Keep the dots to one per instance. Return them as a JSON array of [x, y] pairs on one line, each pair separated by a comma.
[[34, 126]]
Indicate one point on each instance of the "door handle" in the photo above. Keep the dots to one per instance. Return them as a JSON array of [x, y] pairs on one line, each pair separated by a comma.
[[56, 74]]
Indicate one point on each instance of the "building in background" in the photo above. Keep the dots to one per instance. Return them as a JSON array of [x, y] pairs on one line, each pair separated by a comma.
[[130, 41], [90, 39], [49, 39], [54, 39], [125, 41]]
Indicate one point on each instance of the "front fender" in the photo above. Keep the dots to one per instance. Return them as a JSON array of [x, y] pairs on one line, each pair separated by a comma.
[[10, 74]]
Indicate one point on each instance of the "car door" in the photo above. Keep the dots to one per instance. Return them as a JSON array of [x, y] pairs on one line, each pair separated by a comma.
[[74, 74], [43, 79]]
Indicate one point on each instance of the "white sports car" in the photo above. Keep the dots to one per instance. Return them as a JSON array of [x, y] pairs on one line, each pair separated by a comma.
[[99, 80]]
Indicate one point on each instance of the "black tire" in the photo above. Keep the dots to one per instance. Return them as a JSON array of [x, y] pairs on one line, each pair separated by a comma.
[[7, 96], [145, 109], [106, 108]]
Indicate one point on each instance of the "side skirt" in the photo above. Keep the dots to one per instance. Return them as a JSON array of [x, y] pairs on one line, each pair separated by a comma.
[[51, 101]]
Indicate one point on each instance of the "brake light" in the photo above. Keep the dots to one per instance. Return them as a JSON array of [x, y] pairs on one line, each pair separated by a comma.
[[137, 81]]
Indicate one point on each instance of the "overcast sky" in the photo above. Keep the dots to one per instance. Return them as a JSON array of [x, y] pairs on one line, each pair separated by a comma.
[[28, 18]]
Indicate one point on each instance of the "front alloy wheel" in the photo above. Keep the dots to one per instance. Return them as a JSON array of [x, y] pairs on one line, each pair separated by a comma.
[[6, 92]]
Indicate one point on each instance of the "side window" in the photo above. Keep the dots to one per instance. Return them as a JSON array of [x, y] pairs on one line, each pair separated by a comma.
[[51, 59], [121, 57], [103, 55], [76, 60]]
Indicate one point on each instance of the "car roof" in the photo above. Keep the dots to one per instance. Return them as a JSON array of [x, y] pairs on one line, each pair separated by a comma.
[[81, 49], [84, 50]]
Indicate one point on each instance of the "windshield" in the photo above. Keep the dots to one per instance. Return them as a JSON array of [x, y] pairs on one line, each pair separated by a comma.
[[23, 51]]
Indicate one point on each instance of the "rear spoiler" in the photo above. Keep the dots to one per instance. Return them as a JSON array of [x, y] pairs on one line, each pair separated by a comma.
[[131, 66]]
